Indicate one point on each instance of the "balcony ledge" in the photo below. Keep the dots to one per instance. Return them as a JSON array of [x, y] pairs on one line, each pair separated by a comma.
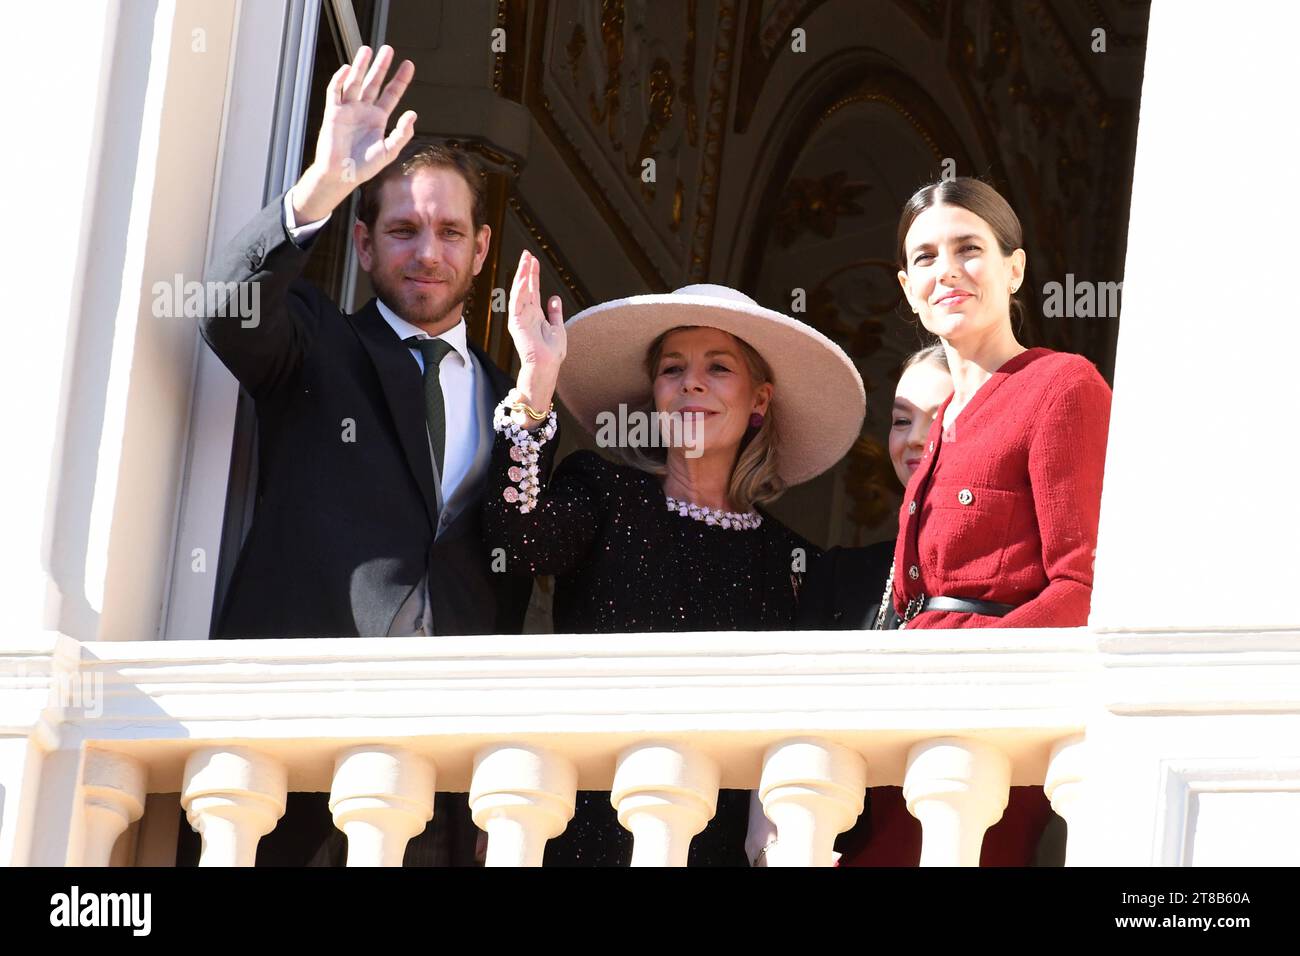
[[588, 696]]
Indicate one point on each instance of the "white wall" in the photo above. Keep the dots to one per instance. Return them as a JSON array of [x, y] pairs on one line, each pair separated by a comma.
[[1200, 519], [125, 132], [51, 168]]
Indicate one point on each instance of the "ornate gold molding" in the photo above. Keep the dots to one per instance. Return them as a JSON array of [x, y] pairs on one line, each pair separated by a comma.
[[480, 319], [574, 49], [612, 18], [780, 21], [539, 105], [577, 290], [688, 75], [508, 67], [660, 114], [715, 126], [1088, 86], [816, 204], [894, 102], [872, 84]]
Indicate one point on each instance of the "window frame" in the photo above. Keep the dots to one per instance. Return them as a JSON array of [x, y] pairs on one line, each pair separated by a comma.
[[275, 42]]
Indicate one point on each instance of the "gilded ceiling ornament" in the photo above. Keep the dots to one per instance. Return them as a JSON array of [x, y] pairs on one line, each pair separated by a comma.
[[611, 35], [574, 49], [659, 115], [816, 205], [861, 339], [688, 77]]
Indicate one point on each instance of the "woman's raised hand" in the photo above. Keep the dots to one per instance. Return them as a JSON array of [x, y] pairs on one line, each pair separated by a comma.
[[538, 334]]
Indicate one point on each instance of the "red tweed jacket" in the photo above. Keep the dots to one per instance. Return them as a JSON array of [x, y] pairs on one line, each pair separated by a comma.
[[1004, 506]]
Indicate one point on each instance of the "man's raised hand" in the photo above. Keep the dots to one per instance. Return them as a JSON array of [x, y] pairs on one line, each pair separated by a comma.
[[352, 147]]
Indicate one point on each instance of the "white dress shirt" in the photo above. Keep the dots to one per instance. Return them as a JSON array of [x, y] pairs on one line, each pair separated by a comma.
[[455, 374]]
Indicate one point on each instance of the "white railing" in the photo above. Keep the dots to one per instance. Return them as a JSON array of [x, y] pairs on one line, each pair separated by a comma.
[[1108, 725]]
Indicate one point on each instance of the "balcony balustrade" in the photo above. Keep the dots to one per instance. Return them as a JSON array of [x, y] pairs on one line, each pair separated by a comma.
[[1111, 726]]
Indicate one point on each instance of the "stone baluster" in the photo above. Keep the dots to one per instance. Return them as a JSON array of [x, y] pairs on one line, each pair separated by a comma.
[[664, 793], [811, 790], [1065, 787], [233, 797], [381, 797], [522, 796], [112, 798], [957, 789]]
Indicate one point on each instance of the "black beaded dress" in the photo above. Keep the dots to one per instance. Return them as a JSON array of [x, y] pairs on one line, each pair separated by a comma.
[[624, 562]]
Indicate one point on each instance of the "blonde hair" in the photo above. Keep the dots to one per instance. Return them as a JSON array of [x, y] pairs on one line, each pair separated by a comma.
[[754, 477]]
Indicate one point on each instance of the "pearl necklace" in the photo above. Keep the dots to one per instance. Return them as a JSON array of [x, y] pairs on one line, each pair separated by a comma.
[[747, 521]]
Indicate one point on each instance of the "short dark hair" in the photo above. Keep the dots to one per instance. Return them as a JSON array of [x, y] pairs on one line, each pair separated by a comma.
[[417, 156]]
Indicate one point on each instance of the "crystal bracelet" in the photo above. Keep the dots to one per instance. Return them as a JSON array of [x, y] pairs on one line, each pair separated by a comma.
[[525, 451]]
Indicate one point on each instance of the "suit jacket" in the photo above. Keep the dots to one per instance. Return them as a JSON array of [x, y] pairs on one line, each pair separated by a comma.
[[349, 521]]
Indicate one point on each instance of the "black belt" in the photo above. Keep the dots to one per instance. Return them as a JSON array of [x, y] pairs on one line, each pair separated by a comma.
[[959, 605]]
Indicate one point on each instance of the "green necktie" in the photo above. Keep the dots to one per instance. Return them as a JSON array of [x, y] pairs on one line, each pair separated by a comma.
[[435, 410]]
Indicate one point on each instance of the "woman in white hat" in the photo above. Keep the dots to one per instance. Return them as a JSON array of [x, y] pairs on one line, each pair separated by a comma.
[[748, 401]]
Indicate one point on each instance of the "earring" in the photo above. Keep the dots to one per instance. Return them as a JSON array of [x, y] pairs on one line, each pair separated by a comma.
[[755, 420]]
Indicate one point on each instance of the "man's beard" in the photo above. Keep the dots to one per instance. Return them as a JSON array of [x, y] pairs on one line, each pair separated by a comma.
[[421, 310]]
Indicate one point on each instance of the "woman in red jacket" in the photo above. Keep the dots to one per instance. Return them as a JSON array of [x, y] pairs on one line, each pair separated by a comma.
[[998, 526]]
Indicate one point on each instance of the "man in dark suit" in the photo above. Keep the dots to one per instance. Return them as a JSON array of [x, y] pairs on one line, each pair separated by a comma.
[[374, 429], [366, 521]]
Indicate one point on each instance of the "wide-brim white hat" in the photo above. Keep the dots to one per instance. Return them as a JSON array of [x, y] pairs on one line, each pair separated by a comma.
[[818, 399]]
